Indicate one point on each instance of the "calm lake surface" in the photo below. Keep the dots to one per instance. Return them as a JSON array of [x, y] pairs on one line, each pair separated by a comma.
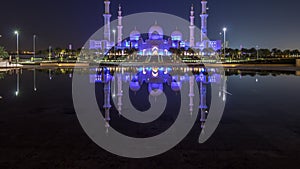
[[260, 127]]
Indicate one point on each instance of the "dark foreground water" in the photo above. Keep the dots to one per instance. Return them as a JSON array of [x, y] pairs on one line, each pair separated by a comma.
[[260, 127]]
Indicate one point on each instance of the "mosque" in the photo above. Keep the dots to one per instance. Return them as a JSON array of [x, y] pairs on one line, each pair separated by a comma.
[[156, 43]]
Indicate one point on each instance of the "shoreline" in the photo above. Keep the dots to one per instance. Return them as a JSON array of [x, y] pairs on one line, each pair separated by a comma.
[[262, 66]]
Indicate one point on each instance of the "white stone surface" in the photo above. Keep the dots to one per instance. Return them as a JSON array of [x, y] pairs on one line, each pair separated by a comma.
[[6, 64]]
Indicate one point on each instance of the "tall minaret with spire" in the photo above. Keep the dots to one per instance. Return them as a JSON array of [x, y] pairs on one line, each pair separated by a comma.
[[120, 27], [204, 16], [107, 17], [192, 28]]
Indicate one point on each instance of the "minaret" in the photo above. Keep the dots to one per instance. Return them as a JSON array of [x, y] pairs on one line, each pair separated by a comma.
[[203, 16], [107, 16], [120, 27], [192, 28]]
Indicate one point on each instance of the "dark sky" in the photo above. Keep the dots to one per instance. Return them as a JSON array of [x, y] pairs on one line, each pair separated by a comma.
[[266, 23]]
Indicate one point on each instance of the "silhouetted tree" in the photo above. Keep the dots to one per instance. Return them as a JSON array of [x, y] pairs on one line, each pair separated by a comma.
[[3, 53], [286, 53]]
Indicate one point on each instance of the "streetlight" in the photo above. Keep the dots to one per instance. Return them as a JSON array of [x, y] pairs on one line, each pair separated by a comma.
[[17, 71], [224, 30], [114, 31], [256, 52], [17, 33], [34, 39]]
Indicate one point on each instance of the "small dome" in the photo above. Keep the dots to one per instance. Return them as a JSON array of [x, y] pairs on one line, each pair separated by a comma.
[[156, 32], [135, 35], [176, 35]]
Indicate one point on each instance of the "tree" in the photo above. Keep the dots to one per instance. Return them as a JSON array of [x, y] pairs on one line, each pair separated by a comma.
[[245, 53], [276, 52], [264, 53], [295, 53], [191, 51], [286, 53], [3, 53], [253, 52]]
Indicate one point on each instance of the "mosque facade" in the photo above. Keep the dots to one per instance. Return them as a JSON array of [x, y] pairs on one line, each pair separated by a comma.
[[156, 43]]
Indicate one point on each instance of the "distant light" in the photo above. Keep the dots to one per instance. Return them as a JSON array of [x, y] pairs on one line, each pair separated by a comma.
[[225, 29], [256, 80], [16, 33], [17, 93], [224, 98], [114, 31], [154, 74]]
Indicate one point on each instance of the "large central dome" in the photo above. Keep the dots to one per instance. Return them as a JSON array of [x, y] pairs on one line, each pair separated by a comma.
[[156, 32]]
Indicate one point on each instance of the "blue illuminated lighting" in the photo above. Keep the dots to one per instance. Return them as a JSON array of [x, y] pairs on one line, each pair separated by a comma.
[[140, 69], [176, 38], [157, 38]]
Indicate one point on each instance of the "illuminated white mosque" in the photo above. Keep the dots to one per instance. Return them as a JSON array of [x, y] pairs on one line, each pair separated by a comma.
[[156, 43]]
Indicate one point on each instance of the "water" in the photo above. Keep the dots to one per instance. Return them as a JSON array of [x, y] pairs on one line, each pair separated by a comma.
[[259, 129]]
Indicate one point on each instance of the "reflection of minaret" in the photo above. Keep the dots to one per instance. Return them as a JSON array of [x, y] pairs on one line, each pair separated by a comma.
[[203, 106], [192, 28], [203, 16], [120, 27], [107, 16], [192, 93], [107, 105], [120, 93]]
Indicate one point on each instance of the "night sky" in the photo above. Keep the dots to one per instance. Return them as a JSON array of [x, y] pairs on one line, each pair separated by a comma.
[[266, 23]]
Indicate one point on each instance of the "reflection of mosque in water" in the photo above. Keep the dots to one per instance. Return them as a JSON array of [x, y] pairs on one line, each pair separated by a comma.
[[155, 79]]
